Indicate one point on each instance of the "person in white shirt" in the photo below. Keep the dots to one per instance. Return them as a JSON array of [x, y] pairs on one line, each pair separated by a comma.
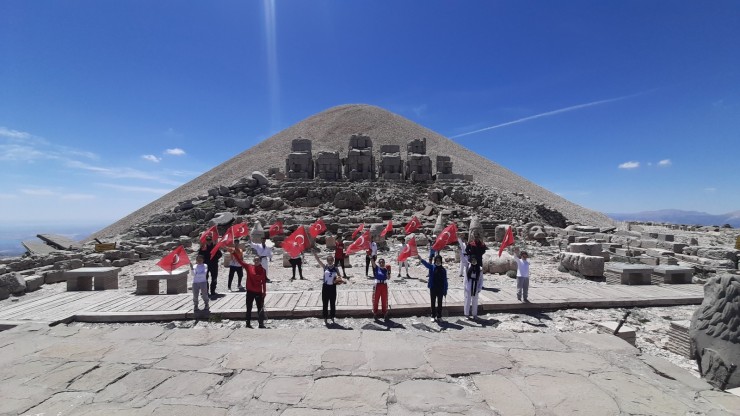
[[522, 274], [200, 283], [265, 253], [473, 286], [463, 257], [371, 254]]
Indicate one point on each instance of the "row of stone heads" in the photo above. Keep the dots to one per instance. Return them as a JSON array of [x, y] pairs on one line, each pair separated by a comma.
[[360, 164]]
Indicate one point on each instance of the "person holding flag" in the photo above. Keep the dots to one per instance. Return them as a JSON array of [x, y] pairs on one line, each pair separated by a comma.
[[473, 286], [380, 289], [200, 283], [437, 284], [408, 249], [476, 248], [522, 274], [464, 262], [256, 290], [329, 288], [294, 246], [339, 255], [264, 252], [371, 254], [211, 255], [235, 266]]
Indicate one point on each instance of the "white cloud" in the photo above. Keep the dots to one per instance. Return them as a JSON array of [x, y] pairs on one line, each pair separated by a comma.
[[175, 152], [22, 153], [39, 192], [14, 134], [126, 188], [151, 158], [629, 165], [665, 163], [710, 190], [76, 197], [122, 173]]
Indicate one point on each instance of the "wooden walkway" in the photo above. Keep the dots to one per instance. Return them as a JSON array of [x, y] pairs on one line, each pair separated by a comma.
[[124, 306]]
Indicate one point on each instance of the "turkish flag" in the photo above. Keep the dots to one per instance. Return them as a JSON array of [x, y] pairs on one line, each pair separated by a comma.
[[358, 230], [240, 230], [362, 243], [213, 232], [317, 228], [447, 236], [508, 240], [177, 258], [388, 229], [225, 240], [296, 242], [276, 228], [409, 250], [413, 225]]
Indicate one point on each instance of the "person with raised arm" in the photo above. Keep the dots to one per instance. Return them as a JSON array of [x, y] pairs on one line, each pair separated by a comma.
[[380, 289], [522, 274], [437, 284], [256, 290], [210, 261], [473, 286], [329, 287], [265, 253]]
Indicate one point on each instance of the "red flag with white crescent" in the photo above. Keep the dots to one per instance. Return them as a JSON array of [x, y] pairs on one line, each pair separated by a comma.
[[508, 240], [447, 236], [177, 258], [276, 229], [225, 240], [240, 230], [358, 230], [213, 232], [409, 250], [296, 242], [362, 243], [413, 225], [388, 229], [317, 228]]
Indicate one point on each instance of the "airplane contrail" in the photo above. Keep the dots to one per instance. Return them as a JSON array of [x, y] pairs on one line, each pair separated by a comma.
[[549, 113]]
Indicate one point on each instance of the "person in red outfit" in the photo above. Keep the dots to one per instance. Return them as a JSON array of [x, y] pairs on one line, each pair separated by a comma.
[[339, 255], [256, 290]]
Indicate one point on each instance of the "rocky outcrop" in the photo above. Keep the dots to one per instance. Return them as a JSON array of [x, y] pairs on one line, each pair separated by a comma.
[[716, 334]]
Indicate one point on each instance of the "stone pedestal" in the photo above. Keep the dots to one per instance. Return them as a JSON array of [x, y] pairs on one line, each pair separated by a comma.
[[82, 279], [674, 274], [629, 274]]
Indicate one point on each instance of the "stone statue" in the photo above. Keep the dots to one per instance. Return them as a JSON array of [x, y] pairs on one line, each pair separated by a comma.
[[299, 164], [715, 332]]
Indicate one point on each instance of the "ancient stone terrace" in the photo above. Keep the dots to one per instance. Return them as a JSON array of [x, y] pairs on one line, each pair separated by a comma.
[[361, 164]]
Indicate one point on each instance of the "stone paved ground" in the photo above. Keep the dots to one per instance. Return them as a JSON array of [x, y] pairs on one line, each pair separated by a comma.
[[163, 370]]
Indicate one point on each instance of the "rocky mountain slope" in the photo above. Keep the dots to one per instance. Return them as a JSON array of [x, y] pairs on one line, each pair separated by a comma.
[[330, 130]]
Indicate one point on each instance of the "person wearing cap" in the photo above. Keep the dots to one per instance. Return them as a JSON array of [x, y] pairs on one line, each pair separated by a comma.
[[522, 274], [265, 254], [437, 284], [380, 289], [211, 262], [473, 286]]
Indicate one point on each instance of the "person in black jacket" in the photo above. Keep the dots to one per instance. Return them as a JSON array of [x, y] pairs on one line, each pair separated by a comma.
[[211, 262], [476, 248]]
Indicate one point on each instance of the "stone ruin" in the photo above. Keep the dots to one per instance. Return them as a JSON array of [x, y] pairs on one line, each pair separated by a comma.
[[328, 166], [715, 334], [360, 162], [444, 169], [418, 164], [391, 165], [299, 164]]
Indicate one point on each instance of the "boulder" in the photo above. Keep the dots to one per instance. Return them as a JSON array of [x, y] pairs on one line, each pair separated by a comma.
[[494, 264], [592, 266], [182, 229], [14, 283], [213, 192], [222, 218], [260, 178], [257, 233], [224, 190], [4, 293], [185, 205], [475, 228], [715, 332], [243, 203], [54, 276], [34, 282], [348, 199]]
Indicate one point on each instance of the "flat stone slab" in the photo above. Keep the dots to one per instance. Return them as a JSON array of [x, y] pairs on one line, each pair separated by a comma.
[[38, 248], [215, 371], [59, 241]]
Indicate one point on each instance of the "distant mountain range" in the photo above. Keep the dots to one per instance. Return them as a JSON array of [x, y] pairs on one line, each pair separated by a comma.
[[677, 216]]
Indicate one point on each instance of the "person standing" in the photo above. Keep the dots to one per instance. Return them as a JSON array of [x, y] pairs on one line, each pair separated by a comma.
[[380, 289], [437, 285], [464, 262], [256, 290], [522, 274], [404, 263], [329, 287], [296, 262], [210, 261], [473, 286], [265, 254], [200, 282], [476, 248], [339, 255], [371, 255], [235, 266]]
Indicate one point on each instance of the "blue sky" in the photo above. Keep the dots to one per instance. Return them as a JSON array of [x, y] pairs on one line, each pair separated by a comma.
[[619, 106]]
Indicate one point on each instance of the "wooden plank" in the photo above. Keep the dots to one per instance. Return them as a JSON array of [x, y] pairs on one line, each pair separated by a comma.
[[44, 304], [273, 299], [303, 300], [342, 298]]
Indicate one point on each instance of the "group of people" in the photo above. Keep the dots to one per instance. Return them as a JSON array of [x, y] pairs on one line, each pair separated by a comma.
[[471, 260]]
